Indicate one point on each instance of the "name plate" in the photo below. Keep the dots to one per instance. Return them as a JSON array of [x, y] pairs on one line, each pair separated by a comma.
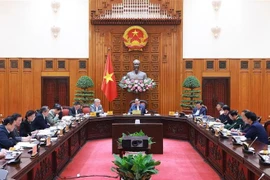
[[48, 141], [93, 114], [171, 113], [109, 113], [34, 151], [136, 112]]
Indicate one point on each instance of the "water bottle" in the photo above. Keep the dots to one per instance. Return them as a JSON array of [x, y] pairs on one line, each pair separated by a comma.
[[177, 115], [204, 119]]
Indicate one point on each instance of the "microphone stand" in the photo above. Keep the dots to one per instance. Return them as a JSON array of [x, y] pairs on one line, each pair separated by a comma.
[[246, 149], [253, 141], [261, 176]]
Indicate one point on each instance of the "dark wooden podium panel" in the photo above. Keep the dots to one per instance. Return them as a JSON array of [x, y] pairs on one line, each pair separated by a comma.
[[154, 130]]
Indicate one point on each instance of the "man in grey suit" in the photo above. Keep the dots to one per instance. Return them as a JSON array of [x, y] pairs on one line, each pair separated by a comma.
[[96, 107]]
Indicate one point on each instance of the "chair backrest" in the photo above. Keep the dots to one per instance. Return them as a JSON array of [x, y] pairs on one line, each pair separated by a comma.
[[142, 102], [65, 112], [86, 109], [267, 127]]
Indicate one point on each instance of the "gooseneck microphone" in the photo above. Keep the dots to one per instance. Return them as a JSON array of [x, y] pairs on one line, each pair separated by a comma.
[[253, 141], [261, 176]]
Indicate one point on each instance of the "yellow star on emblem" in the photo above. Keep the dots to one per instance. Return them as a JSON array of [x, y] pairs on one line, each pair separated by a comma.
[[135, 33], [108, 77]]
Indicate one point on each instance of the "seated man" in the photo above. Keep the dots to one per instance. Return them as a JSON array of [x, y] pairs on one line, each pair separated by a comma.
[[53, 115], [137, 106], [18, 120], [61, 112], [199, 109], [41, 121], [26, 127], [219, 107], [238, 123], [96, 107], [255, 129], [76, 109], [7, 139], [246, 125], [224, 118]]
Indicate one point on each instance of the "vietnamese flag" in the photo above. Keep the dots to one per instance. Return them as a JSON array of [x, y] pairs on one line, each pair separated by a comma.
[[109, 83]]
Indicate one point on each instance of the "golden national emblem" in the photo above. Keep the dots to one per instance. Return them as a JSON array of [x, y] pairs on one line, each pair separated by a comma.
[[135, 38]]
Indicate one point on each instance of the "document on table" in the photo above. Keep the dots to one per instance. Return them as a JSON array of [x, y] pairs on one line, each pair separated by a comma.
[[241, 138], [25, 144]]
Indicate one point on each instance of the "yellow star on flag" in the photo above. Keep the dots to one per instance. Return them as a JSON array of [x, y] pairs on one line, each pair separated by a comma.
[[108, 77]]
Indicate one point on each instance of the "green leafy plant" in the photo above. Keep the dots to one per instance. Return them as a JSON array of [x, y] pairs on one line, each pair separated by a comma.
[[140, 133], [85, 96], [190, 94], [135, 167]]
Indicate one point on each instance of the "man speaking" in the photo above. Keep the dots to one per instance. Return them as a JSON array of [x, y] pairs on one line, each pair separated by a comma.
[[137, 107]]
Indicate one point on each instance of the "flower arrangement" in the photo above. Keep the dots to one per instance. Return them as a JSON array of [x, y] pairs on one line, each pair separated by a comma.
[[136, 85]]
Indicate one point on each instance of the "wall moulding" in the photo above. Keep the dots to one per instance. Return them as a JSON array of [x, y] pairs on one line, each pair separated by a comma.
[[127, 13]]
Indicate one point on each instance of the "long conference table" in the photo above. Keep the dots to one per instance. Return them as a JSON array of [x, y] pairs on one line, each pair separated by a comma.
[[227, 159]]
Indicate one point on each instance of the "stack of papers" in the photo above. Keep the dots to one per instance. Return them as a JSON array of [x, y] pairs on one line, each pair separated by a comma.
[[24, 145], [44, 132], [241, 138]]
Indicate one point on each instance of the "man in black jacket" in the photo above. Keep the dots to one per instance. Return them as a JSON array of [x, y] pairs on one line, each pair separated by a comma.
[[76, 109], [41, 121]]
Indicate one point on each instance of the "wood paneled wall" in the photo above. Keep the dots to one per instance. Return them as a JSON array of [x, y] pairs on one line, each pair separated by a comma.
[[161, 59], [249, 80], [20, 87], [20, 80]]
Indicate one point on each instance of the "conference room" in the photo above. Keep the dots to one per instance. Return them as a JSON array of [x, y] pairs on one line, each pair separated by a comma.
[[87, 86]]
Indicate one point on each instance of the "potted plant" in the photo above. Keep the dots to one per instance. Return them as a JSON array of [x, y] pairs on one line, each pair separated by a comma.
[[84, 96], [190, 94], [135, 167], [140, 133]]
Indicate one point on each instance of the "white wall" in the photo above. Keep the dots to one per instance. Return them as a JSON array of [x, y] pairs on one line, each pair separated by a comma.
[[25, 29], [245, 29]]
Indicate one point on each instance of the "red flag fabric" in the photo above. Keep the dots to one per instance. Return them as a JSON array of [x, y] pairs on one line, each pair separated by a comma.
[[109, 84]]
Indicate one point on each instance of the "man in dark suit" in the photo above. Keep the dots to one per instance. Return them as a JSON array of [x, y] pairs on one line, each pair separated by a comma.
[[224, 118], [41, 121], [96, 107], [18, 120], [256, 129], [76, 109], [137, 106], [199, 109], [7, 139]]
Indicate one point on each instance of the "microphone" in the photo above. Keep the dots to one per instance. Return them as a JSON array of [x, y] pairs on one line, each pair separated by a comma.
[[233, 125], [253, 141], [261, 176]]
